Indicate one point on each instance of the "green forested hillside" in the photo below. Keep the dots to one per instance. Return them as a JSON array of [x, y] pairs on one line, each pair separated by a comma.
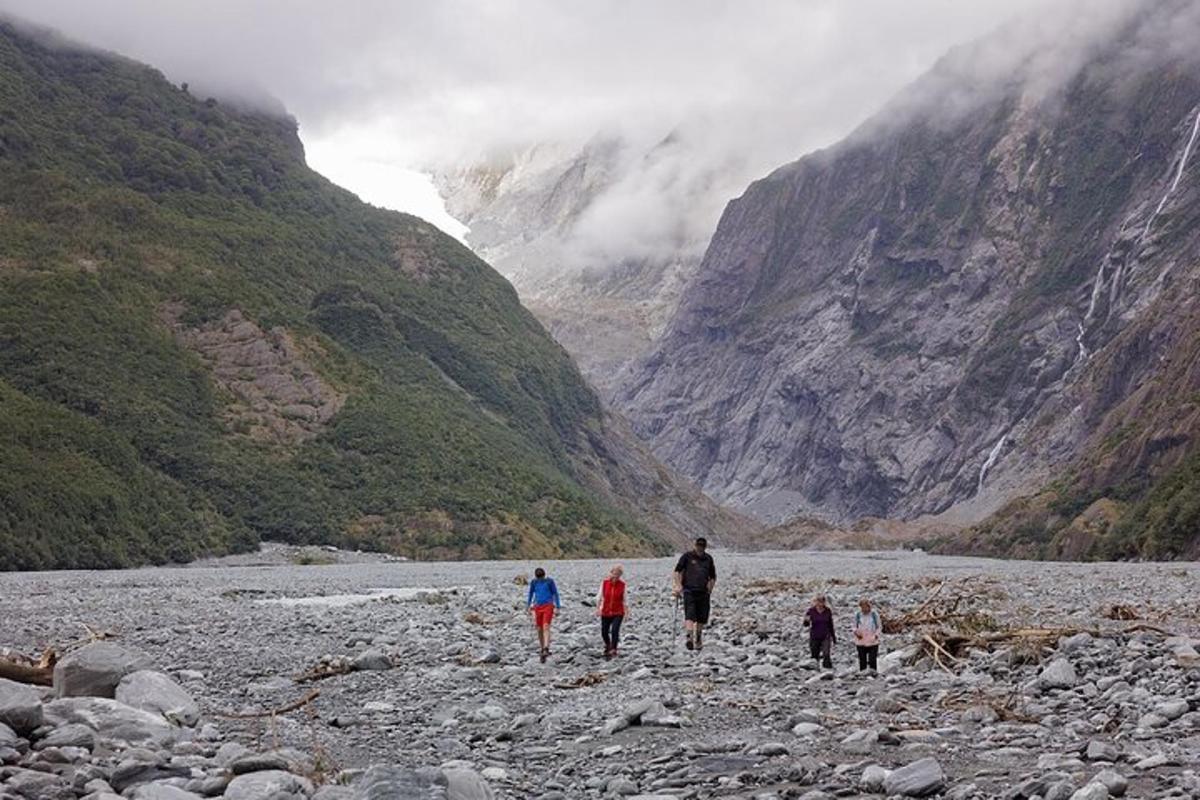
[[204, 343]]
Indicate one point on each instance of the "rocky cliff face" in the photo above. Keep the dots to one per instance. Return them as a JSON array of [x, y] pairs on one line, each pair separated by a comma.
[[605, 287], [947, 309]]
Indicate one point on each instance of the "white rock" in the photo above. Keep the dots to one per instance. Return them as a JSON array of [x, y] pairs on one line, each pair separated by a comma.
[[155, 692], [918, 779]]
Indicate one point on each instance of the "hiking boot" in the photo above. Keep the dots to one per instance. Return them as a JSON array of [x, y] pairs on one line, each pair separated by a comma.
[[608, 653], [545, 653], [690, 644], [699, 641]]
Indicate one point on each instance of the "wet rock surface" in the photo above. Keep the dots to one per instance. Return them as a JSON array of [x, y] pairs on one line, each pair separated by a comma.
[[435, 690]]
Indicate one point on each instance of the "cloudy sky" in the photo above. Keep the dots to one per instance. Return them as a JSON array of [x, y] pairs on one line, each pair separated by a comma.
[[386, 88]]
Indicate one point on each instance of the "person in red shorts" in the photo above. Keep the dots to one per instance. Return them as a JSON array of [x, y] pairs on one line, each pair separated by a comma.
[[542, 600], [610, 608]]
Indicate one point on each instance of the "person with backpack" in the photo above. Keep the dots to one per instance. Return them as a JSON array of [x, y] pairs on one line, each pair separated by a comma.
[[867, 630], [695, 576], [821, 635], [610, 607], [542, 600]]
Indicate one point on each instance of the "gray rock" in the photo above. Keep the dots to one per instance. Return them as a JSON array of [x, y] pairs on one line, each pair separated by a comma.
[[34, 785], [155, 692], [113, 720], [371, 660], [20, 706], [70, 735], [1058, 674], [161, 791], [258, 762], [466, 784], [132, 772], [1100, 750], [1115, 782], [872, 778], [918, 779], [266, 785], [1093, 791], [397, 783], [95, 670]]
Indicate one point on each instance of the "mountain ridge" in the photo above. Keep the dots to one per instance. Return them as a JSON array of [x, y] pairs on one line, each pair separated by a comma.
[[203, 343]]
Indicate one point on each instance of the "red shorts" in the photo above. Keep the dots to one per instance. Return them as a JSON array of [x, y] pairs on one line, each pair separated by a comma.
[[543, 614]]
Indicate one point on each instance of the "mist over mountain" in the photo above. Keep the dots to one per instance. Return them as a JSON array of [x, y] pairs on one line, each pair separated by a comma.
[[964, 302]]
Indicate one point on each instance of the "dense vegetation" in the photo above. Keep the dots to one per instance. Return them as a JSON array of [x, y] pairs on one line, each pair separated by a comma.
[[121, 193]]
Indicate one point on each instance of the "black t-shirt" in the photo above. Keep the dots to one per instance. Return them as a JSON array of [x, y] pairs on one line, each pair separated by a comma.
[[697, 570]]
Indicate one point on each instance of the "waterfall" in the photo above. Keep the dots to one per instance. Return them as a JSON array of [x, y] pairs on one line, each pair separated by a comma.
[[992, 458], [1187, 152], [1115, 280]]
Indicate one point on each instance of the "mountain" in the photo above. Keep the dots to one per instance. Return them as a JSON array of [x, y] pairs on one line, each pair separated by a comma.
[[597, 238], [204, 343], [978, 309]]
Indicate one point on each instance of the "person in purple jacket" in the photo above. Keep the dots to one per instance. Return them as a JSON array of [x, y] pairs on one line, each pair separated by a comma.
[[821, 636]]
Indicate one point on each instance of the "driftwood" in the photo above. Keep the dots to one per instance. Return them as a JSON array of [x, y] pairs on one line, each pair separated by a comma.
[[19, 668], [590, 679], [325, 670], [274, 712]]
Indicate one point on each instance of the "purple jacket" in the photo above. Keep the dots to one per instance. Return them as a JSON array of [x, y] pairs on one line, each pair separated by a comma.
[[821, 624]]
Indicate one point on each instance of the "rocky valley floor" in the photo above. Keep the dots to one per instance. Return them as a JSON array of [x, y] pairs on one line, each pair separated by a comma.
[[1006, 679]]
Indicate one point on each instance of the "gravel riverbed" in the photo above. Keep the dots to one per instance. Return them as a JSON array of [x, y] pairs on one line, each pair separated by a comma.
[[441, 671]]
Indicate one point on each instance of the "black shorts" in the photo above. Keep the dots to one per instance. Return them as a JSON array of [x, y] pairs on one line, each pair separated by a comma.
[[695, 605]]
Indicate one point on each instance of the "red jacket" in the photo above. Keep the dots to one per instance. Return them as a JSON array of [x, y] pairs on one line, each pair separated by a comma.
[[612, 598]]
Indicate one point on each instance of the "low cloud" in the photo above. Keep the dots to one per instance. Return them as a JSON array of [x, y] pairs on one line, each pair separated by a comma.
[[739, 87]]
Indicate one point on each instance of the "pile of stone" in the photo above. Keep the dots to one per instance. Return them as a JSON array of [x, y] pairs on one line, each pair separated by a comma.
[[112, 727]]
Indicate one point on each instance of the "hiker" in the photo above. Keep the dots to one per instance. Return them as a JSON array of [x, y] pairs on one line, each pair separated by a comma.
[[695, 576], [821, 636], [610, 607], [867, 629], [541, 601]]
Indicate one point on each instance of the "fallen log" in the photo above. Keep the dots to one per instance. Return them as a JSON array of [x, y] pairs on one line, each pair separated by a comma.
[[19, 668]]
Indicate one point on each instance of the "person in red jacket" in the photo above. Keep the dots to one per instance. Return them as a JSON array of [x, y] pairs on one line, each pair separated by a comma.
[[610, 607]]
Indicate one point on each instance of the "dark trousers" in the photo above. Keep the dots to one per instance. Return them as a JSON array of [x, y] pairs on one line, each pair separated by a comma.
[[610, 629], [820, 649], [867, 656]]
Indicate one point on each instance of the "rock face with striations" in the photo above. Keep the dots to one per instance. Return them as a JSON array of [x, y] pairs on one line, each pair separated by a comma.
[[991, 282]]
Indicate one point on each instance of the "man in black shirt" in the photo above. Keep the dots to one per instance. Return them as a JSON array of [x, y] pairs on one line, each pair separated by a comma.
[[695, 575]]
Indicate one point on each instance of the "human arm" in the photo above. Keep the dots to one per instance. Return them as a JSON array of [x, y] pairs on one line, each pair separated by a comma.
[[808, 615], [712, 575], [529, 596], [554, 594], [680, 566]]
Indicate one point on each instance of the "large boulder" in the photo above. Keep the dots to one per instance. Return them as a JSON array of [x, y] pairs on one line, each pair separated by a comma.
[[398, 783], [112, 720], [162, 791], [266, 785], [155, 692], [20, 706], [918, 779], [95, 670]]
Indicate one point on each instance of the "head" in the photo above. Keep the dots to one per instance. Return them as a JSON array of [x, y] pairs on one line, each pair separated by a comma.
[[616, 572], [819, 601], [701, 545], [539, 573], [864, 605]]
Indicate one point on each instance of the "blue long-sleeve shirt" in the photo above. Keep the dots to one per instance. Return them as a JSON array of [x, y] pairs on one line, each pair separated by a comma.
[[542, 591]]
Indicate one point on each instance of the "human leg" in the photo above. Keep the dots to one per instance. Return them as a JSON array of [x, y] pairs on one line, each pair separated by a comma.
[[616, 631], [873, 657], [826, 649], [862, 657]]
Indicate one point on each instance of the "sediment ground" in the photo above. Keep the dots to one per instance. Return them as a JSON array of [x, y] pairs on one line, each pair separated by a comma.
[[1003, 679]]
